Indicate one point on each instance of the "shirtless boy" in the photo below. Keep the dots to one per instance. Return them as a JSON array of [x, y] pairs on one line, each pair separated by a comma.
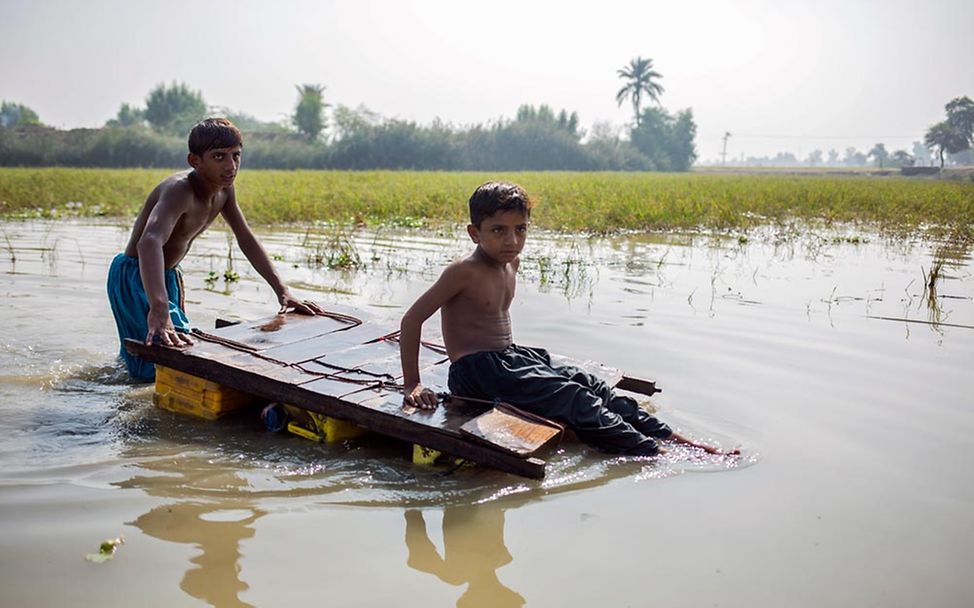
[[474, 298], [144, 284]]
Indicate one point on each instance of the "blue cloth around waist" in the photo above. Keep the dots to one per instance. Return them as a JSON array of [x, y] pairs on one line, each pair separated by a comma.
[[130, 307]]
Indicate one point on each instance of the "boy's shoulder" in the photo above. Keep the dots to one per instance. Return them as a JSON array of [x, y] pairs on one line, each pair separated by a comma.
[[175, 187], [177, 181], [473, 268]]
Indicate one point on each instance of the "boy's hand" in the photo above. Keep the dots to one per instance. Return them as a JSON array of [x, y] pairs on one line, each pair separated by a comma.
[[421, 397], [706, 448], [160, 325], [305, 307]]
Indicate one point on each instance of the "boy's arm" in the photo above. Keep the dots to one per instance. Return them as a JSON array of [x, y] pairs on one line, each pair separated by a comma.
[[152, 266], [451, 282], [257, 257]]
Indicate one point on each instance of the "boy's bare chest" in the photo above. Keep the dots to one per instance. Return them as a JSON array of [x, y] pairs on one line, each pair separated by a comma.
[[493, 293], [198, 218]]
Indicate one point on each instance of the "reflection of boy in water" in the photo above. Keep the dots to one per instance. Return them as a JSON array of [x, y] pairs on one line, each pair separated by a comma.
[[216, 579], [473, 549], [474, 298], [144, 283]]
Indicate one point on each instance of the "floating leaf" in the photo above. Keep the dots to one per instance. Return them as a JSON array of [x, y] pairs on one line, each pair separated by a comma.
[[106, 550]]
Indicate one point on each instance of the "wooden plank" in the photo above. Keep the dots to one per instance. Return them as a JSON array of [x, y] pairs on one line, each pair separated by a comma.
[[380, 357], [280, 329], [638, 385], [448, 416], [323, 345], [387, 419], [511, 432]]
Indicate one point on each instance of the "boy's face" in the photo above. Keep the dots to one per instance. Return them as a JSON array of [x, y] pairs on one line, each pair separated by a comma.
[[502, 235], [218, 166]]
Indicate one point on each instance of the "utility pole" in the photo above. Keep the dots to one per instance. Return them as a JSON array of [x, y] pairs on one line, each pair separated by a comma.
[[723, 155]]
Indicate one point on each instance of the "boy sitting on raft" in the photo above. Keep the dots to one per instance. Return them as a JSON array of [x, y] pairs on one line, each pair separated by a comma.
[[144, 283], [474, 298]]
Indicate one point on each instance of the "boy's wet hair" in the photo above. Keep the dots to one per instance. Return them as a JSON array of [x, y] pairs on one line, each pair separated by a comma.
[[213, 133], [491, 197]]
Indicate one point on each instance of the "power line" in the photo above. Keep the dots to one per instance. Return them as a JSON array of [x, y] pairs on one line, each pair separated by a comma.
[[791, 136]]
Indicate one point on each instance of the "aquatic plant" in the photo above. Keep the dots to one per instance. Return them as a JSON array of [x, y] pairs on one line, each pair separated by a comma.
[[338, 252]]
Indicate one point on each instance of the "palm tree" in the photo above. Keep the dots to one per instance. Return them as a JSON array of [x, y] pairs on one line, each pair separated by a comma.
[[640, 78]]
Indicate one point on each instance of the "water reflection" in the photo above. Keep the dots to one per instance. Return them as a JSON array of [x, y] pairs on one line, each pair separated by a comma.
[[217, 531], [216, 528], [473, 551]]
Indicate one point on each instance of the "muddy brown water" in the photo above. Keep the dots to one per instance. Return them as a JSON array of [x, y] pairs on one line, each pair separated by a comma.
[[847, 385]]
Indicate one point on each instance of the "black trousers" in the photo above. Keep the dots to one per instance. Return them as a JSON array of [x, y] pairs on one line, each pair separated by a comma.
[[526, 378]]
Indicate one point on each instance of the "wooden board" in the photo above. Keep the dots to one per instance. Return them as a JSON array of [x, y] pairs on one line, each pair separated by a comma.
[[504, 428], [347, 371]]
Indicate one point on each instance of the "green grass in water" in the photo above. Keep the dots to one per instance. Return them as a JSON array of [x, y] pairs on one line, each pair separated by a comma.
[[590, 202]]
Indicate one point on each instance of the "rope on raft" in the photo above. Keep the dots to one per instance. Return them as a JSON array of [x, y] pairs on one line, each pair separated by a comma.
[[380, 380]]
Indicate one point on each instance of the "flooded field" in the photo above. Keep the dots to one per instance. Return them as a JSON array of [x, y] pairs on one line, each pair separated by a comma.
[[840, 362]]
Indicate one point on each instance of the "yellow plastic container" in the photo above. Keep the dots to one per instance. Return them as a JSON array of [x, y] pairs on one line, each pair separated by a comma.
[[425, 455], [187, 394], [428, 456], [318, 427]]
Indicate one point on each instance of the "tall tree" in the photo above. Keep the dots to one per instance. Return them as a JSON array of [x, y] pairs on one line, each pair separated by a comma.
[[879, 153], [17, 114], [174, 109], [945, 138], [960, 117], [640, 78], [309, 115]]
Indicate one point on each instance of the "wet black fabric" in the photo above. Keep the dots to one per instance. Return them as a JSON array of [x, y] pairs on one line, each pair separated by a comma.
[[526, 378]]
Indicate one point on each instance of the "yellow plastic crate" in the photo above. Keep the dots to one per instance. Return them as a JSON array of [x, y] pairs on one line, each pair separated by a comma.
[[318, 427], [180, 405], [187, 394], [184, 381]]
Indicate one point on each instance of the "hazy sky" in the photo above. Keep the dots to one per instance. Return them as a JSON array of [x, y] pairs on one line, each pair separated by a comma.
[[779, 75]]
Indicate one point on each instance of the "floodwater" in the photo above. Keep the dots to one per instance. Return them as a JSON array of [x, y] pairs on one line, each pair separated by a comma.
[[846, 383]]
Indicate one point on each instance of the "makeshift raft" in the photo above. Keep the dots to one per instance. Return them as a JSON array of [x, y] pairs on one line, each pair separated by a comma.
[[337, 366]]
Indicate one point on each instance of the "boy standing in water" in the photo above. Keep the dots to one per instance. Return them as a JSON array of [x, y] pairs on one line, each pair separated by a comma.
[[474, 298], [144, 283]]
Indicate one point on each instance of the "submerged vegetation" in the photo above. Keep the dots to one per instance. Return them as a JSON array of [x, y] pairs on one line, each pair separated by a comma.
[[590, 202]]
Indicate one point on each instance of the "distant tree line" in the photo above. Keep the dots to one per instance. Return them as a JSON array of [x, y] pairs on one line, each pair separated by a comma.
[[878, 156], [951, 139], [312, 137]]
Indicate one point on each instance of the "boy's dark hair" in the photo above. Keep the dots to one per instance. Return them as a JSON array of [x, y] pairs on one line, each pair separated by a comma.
[[491, 197], [213, 133]]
